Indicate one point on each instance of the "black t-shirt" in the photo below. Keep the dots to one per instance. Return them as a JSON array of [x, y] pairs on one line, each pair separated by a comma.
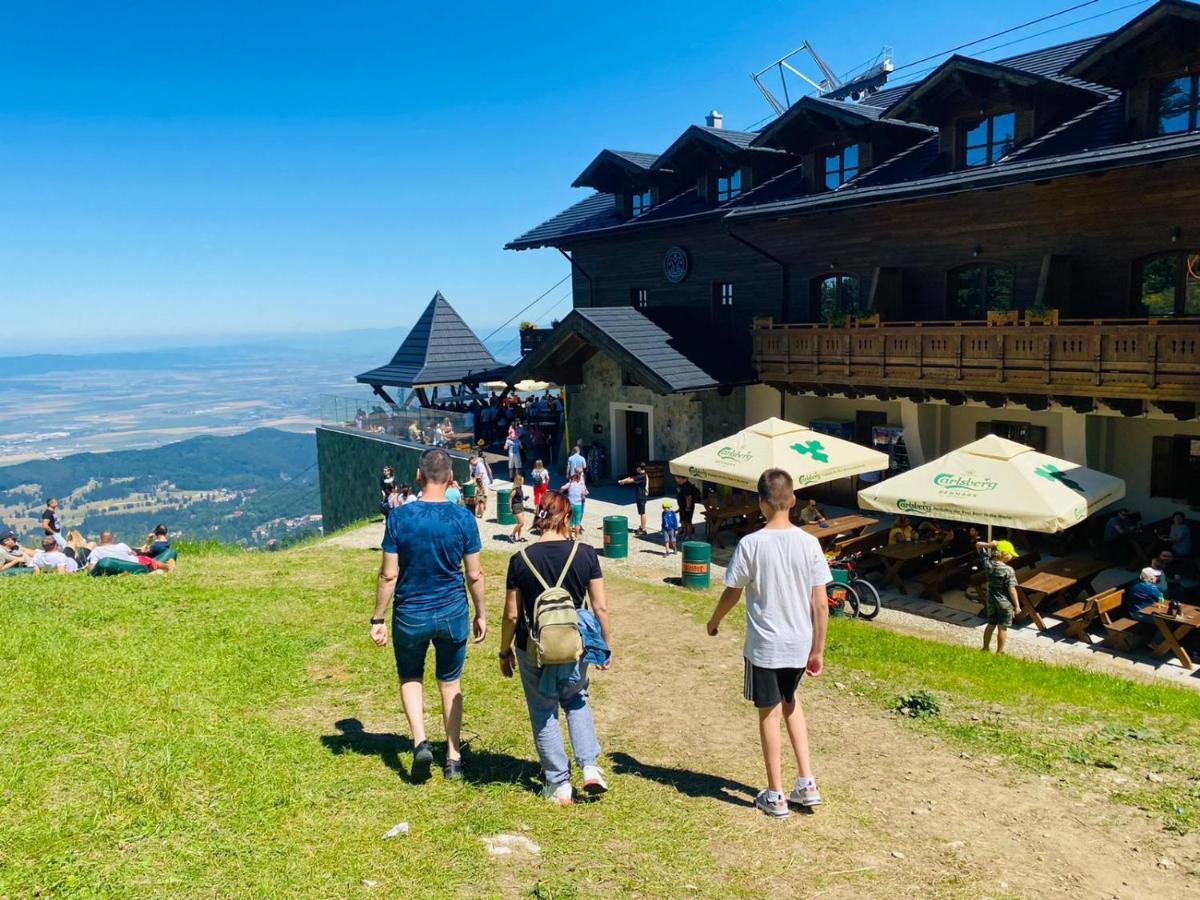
[[640, 486], [385, 486], [549, 557], [688, 496], [52, 515]]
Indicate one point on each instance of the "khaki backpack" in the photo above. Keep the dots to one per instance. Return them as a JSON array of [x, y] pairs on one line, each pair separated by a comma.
[[554, 637]]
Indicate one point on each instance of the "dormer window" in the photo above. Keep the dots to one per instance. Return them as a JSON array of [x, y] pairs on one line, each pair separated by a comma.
[[639, 203], [1178, 102], [989, 140], [841, 166], [729, 185]]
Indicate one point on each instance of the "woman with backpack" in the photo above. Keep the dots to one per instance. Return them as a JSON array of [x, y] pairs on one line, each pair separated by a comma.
[[547, 586]]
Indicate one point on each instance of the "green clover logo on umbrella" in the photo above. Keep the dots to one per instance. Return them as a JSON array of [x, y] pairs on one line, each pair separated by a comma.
[[814, 449], [1051, 472]]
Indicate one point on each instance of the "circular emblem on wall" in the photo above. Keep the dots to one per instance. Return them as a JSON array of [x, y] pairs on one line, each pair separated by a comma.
[[675, 265]]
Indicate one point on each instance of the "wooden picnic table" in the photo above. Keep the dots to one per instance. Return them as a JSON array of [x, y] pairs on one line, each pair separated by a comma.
[[716, 516], [1053, 581], [1173, 630], [839, 526], [895, 556]]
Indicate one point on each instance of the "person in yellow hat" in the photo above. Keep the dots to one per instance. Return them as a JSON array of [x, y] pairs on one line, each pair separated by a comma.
[[670, 527], [1001, 597]]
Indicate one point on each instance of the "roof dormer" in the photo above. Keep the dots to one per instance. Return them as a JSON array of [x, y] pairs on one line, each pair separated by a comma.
[[838, 140], [983, 110], [723, 163], [1155, 59], [632, 179]]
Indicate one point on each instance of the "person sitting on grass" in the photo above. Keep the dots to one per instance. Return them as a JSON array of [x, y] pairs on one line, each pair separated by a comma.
[[1001, 598], [157, 543], [555, 559], [109, 548], [783, 571], [51, 559], [576, 492], [517, 502], [12, 554], [1142, 593], [811, 513], [670, 527], [901, 531], [641, 493]]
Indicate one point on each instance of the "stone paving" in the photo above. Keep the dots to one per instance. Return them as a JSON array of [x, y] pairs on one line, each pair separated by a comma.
[[954, 621]]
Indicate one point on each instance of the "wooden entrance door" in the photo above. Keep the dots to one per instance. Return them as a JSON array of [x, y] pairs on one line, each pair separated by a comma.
[[637, 438]]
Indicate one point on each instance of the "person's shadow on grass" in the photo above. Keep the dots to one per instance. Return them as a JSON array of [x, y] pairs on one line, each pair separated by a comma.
[[694, 784], [481, 766]]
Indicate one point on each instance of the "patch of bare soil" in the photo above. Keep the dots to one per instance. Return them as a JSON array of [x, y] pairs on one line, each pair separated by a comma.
[[904, 814]]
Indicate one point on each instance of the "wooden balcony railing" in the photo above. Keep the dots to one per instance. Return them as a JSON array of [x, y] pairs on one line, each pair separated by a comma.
[[1129, 359]]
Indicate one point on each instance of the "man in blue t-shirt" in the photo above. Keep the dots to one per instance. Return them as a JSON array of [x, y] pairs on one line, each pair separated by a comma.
[[426, 546], [1143, 593]]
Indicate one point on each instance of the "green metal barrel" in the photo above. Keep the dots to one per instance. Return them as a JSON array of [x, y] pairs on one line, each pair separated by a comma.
[[468, 490], [504, 514], [616, 537], [697, 560]]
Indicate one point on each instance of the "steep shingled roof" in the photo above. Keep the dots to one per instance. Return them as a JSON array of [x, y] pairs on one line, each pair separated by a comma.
[[440, 349]]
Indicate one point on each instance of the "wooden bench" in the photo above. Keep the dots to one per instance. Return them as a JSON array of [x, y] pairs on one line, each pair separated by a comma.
[[1078, 617], [864, 544], [1122, 633], [933, 581]]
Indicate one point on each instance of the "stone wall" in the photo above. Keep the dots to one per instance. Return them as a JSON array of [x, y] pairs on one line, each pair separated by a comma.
[[681, 422], [350, 464]]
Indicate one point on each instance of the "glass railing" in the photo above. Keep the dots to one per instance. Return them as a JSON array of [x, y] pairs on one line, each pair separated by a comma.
[[435, 427]]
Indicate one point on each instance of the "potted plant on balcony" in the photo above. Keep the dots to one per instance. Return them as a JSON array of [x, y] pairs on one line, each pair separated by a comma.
[[998, 317], [834, 317], [1041, 314], [871, 321], [528, 332]]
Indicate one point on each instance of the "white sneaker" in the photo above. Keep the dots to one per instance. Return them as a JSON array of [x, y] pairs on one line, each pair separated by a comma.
[[775, 808], [593, 781], [805, 795], [558, 793]]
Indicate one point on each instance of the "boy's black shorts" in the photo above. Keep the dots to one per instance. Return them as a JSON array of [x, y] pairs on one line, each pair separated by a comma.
[[770, 687]]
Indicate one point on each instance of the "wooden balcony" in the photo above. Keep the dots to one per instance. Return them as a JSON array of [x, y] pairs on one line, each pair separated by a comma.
[[1119, 361]]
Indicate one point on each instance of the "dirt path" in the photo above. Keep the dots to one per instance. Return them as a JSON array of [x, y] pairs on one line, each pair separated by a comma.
[[904, 814]]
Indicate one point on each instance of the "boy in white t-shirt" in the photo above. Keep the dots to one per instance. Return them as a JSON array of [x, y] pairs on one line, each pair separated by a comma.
[[783, 572]]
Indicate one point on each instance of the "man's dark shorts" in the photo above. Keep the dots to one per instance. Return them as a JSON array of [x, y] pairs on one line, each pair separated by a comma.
[[641, 507], [766, 688], [413, 630]]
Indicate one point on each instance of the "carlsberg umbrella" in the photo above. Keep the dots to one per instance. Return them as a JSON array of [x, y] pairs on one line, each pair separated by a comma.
[[997, 482], [808, 456]]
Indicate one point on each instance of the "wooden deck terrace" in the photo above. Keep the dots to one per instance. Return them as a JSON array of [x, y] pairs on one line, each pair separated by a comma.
[[1150, 360]]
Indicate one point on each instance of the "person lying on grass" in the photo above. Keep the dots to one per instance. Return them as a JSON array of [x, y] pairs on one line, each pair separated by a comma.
[[13, 554], [783, 571], [427, 546], [1001, 598], [556, 560], [109, 548]]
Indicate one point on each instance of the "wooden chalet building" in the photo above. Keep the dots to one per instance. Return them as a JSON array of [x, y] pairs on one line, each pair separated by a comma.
[[843, 263]]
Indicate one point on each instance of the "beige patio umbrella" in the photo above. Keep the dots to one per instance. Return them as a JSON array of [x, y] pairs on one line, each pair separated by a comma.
[[997, 482], [808, 456]]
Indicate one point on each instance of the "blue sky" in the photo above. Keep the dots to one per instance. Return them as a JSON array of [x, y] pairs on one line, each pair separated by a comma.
[[240, 168]]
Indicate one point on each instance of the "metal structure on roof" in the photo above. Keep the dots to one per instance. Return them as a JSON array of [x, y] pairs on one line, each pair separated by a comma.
[[831, 86]]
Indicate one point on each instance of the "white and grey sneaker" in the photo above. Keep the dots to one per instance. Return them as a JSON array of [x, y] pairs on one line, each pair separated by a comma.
[[776, 806], [805, 795], [593, 781], [558, 793]]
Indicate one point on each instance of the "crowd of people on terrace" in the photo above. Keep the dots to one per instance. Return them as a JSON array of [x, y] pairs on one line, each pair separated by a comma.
[[71, 553]]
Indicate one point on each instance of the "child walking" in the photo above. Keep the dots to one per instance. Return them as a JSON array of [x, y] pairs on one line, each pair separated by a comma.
[[670, 527], [541, 481], [783, 572], [518, 508]]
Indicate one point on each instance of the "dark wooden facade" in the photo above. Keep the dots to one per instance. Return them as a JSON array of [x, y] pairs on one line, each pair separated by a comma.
[[1099, 227]]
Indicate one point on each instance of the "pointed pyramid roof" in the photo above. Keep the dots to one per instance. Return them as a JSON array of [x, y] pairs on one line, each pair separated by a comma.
[[440, 349]]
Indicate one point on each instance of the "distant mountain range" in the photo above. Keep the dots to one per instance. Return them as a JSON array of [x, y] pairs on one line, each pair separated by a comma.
[[251, 488]]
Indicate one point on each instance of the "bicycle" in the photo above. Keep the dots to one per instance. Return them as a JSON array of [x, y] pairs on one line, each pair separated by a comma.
[[858, 594]]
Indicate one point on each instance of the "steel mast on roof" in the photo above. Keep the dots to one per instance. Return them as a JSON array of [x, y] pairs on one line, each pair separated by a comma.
[[832, 86]]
